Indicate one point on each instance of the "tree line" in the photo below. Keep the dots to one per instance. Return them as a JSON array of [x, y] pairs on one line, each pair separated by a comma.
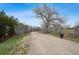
[[8, 24], [49, 17]]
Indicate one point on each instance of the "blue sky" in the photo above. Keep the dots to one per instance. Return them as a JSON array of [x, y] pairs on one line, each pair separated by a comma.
[[24, 12]]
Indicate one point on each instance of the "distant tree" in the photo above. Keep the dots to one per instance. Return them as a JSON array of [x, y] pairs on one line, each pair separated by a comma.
[[49, 16]]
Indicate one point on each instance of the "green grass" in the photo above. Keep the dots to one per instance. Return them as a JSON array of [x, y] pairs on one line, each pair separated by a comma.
[[5, 47]]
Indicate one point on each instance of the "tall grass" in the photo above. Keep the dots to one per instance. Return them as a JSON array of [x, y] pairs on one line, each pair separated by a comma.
[[67, 35]]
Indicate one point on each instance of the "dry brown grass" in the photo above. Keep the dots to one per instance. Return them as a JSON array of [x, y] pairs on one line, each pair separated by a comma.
[[21, 47]]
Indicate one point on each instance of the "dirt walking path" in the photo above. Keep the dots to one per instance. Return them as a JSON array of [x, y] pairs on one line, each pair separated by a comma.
[[44, 44]]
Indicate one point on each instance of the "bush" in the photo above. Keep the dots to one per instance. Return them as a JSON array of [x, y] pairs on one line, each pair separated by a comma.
[[11, 31], [2, 32]]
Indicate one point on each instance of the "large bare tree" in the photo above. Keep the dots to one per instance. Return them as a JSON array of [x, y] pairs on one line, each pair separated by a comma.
[[49, 16]]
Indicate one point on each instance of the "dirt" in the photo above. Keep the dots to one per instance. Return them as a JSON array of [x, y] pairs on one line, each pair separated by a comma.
[[44, 44]]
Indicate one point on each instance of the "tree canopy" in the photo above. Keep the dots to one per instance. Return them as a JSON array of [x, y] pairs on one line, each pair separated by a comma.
[[49, 16]]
